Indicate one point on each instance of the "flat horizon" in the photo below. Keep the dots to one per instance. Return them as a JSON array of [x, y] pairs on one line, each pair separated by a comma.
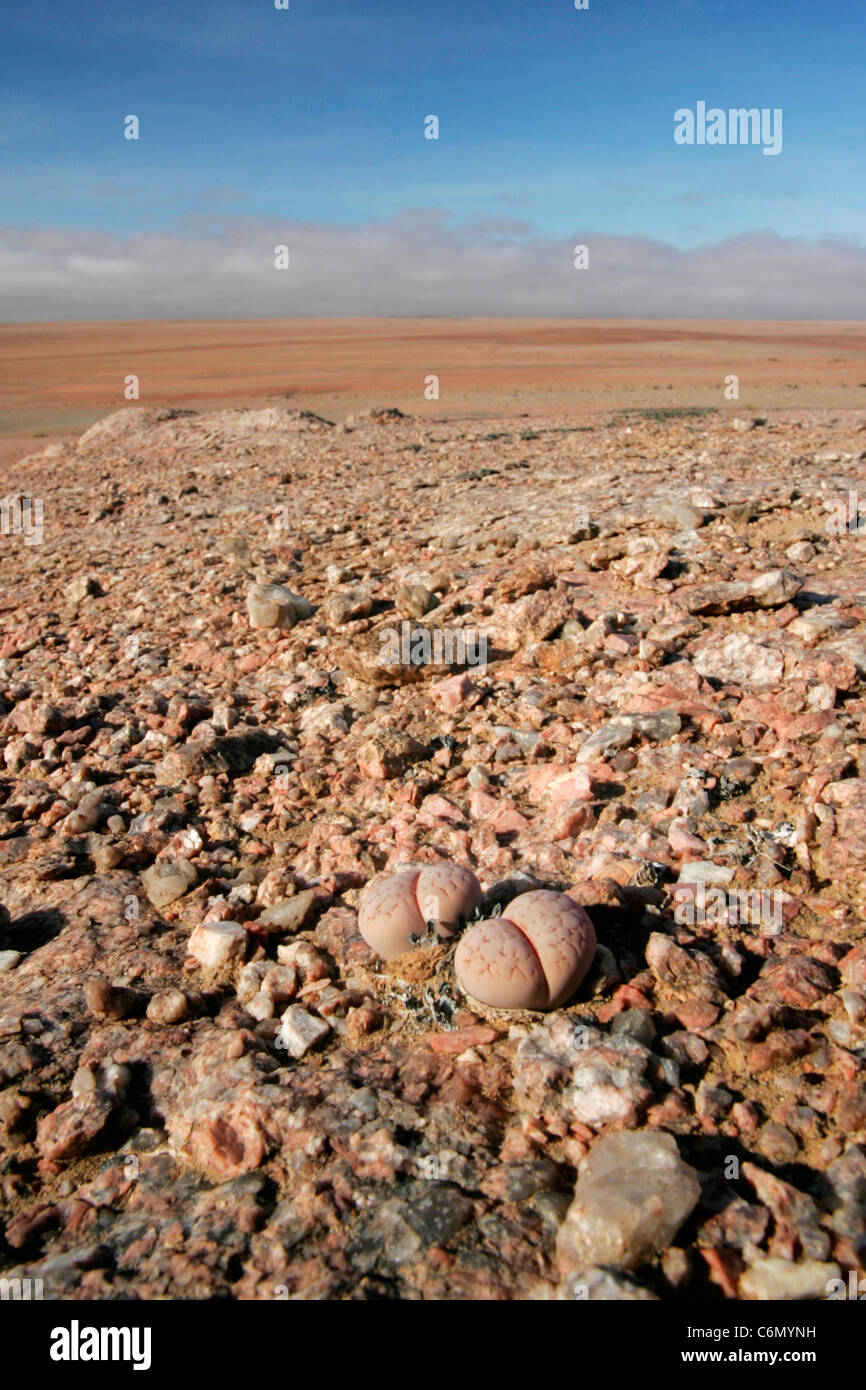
[[57, 379]]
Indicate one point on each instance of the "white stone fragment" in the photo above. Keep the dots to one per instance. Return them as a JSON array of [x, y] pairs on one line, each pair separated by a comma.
[[633, 1194], [214, 943], [773, 1279], [261, 1006], [273, 605], [299, 1031]]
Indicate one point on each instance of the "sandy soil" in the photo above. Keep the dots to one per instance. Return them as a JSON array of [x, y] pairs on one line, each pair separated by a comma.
[[56, 379]]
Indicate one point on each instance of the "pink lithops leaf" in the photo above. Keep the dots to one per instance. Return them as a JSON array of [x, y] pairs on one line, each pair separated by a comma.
[[445, 893], [563, 938], [395, 909], [389, 914], [496, 964], [532, 957]]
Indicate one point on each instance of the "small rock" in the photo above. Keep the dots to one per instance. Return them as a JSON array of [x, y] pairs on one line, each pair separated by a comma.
[[633, 1194], [105, 1000], [456, 693], [168, 1006], [236, 548], [769, 590], [705, 871], [70, 1130], [280, 984], [292, 915], [682, 841], [459, 1039], [346, 608], [82, 587], [776, 587], [16, 1115], [771, 1278], [712, 1102], [847, 1177], [801, 551], [37, 717], [734, 658], [680, 516], [215, 943], [251, 979], [299, 1031], [635, 1023], [261, 1006], [689, 973], [311, 963], [399, 1241], [110, 1077], [438, 1213], [388, 753], [273, 605], [608, 1084], [775, 1141], [604, 740], [531, 619], [167, 880], [658, 726], [337, 574], [414, 600]]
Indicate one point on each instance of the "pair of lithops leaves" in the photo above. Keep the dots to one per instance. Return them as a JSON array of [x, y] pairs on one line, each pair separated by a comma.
[[533, 956]]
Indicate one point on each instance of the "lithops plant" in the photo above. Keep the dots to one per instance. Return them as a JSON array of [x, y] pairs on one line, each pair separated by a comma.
[[397, 911], [532, 957]]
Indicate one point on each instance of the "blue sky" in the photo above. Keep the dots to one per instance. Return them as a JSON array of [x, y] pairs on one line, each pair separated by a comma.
[[555, 124]]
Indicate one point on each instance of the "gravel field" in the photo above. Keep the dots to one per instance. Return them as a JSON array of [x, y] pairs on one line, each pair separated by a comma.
[[660, 711]]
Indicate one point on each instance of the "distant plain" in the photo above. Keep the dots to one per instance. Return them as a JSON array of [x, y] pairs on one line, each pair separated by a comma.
[[57, 378]]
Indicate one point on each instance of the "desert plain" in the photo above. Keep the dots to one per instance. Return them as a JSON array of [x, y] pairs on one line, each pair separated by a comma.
[[58, 378]]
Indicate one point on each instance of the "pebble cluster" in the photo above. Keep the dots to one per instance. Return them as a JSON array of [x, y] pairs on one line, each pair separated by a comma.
[[212, 1083]]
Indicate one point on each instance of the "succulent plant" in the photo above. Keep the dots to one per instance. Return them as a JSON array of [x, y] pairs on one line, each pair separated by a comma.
[[397, 911], [532, 957]]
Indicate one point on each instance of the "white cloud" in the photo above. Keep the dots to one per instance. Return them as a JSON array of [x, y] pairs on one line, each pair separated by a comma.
[[421, 262]]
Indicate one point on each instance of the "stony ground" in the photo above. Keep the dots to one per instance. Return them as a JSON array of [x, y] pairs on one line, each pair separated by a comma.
[[669, 725]]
